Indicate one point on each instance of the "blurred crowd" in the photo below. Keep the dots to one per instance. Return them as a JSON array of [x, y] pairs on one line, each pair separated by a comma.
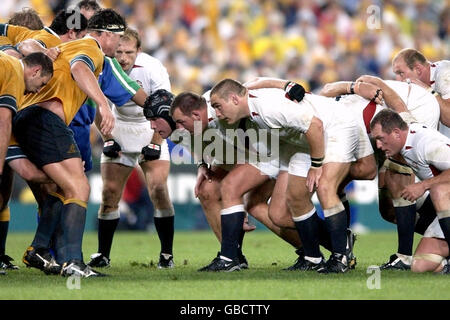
[[313, 42]]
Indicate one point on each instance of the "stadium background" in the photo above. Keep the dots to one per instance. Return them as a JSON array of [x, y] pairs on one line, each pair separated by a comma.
[[203, 41]]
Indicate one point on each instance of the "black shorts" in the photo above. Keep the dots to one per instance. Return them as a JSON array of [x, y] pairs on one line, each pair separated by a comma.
[[43, 136]]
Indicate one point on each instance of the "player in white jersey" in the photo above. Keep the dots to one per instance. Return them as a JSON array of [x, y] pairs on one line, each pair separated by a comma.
[[427, 153], [127, 146], [433, 76], [222, 186], [321, 136], [424, 107]]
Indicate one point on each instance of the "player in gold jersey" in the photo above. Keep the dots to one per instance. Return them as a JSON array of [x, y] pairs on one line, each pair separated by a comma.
[[45, 138], [17, 78]]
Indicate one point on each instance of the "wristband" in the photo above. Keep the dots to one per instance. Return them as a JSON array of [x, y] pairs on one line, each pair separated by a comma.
[[352, 88], [316, 162], [288, 84], [201, 164]]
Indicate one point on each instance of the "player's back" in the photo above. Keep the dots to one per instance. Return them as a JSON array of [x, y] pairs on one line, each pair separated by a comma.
[[62, 87], [16, 34], [12, 84]]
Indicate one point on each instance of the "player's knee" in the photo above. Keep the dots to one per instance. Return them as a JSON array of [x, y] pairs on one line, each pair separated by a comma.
[[422, 264], [208, 193], [439, 193], [158, 191], [228, 190], [278, 220]]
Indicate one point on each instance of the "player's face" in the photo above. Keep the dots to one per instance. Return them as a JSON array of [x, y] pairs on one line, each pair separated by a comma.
[[184, 121], [110, 42], [226, 110], [126, 53], [161, 126], [389, 143], [35, 82], [402, 71]]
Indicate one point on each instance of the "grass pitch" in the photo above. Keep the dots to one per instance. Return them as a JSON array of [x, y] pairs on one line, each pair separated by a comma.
[[134, 276]]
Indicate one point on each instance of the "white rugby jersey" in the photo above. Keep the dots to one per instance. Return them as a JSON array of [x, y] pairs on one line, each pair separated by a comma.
[[440, 82], [151, 75], [421, 103], [426, 151]]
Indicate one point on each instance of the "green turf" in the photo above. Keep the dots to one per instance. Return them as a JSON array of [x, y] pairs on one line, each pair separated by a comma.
[[133, 274]]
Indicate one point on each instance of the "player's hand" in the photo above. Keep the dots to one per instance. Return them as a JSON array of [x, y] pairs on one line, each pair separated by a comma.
[[313, 177], [151, 152], [413, 191], [246, 226], [53, 53], [369, 91], [203, 174], [107, 119], [111, 148], [295, 91]]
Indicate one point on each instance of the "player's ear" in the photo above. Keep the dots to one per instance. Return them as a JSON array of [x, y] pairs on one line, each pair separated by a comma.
[[196, 115], [234, 98]]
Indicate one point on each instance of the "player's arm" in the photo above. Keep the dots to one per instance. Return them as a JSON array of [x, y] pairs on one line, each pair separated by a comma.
[[391, 98], [437, 155], [294, 91], [87, 82], [363, 89], [30, 45]]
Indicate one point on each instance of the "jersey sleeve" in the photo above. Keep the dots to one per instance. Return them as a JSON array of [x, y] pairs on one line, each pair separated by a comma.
[[288, 114], [116, 85], [9, 90], [89, 53], [15, 33], [442, 80], [437, 154], [160, 77]]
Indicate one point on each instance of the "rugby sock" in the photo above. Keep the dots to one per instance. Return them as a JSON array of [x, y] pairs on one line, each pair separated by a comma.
[[405, 214], [231, 220], [107, 225], [427, 214], [240, 242], [346, 204], [3, 234], [444, 222], [307, 227], [164, 225], [48, 220], [324, 236], [4, 224], [73, 219], [336, 223]]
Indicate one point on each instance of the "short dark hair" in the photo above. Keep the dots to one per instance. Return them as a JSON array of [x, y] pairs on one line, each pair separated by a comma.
[[27, 17], [89, 4], [107, 20], [62, 22], [40, 59], [227, 86], [411, 57], [389, 120], [187, 102]]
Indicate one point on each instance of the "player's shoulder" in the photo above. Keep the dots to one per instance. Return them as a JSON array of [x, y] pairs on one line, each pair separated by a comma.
[[145, 60]]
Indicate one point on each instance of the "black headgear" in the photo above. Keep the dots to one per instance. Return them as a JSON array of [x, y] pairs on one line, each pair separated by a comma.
[[157, 105]]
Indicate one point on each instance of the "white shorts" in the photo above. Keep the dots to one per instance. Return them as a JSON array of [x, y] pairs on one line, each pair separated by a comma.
[[132, 137], [364, 147], [341, 141], [434, 230]]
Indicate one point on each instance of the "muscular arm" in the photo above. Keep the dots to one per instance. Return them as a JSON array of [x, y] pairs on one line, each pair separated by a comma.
[[391, 98], [87, 82], [261, 82], [444, 105], [315, 137]]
